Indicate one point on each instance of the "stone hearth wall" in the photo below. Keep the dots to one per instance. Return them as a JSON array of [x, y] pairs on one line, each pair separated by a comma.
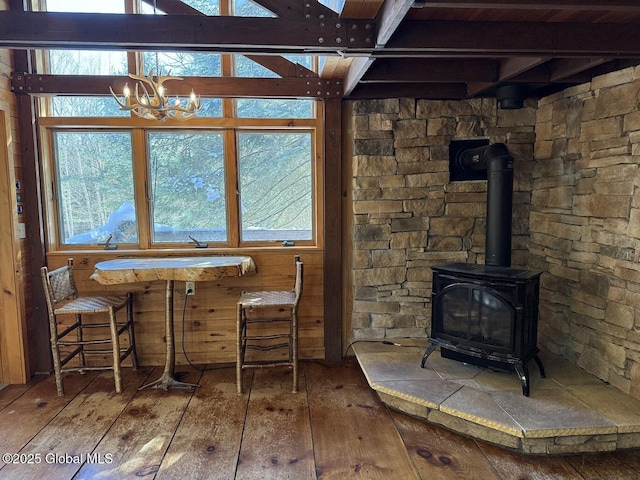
[[407, 215], [585, 226]]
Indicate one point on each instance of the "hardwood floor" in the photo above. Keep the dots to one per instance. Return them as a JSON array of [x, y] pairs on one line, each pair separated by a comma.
[[334, 428]]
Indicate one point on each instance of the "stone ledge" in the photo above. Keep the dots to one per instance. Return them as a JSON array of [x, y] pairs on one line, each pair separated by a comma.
[[569, 411]]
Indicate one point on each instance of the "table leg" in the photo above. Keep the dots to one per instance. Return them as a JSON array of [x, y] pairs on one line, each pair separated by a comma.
[[167, 380]]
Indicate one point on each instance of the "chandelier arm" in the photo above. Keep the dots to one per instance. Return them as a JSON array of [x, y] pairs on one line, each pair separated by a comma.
[[149, 103]]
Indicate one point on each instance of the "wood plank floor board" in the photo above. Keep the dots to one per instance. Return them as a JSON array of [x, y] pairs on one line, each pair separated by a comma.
[[11, 392], [62, 447], [510, 464], [277, 442], [335, 427], [353, 433], [140, 436], [33, 410], [442, 455], [618, 465], [207, 442]]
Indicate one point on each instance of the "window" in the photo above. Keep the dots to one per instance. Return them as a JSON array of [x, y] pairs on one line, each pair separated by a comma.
[[94, 173], [243, 172], [178, 180], [187, 186], [276, 186]]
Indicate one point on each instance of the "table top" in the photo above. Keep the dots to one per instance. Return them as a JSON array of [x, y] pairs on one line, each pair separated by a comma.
[[192, 269]]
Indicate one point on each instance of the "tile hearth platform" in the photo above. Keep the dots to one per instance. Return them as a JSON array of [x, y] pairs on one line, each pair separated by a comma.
[[569, 411]]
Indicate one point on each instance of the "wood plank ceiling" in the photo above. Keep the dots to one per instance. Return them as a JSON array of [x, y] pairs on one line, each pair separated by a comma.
[[462, 49], [376, 48]]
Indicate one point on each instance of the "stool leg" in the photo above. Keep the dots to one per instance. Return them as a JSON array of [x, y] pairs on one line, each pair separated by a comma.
[[57, 368], [239, 351], [294, 341], [80, 338], [115, 343], [132, 336]]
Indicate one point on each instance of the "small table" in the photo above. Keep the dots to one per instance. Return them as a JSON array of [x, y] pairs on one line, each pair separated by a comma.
[[191, 269]]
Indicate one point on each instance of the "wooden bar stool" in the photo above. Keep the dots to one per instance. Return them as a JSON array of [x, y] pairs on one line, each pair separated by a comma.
[[62, 299], [257, 310]]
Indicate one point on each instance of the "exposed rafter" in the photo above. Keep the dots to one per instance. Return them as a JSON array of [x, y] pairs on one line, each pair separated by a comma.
[[514, 38], [43, 85], [390, 17], [436, 49], [182, 32], [625, 5]]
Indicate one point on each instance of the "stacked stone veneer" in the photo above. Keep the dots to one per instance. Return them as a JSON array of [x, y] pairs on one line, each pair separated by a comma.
[[407, 215], [585, 226]]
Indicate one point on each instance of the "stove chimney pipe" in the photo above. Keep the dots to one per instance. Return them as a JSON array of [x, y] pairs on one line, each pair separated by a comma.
[[499, 164]]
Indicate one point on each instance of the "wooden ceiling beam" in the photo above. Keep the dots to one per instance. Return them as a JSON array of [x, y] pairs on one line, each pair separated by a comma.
[[515, 38], [434, 91], [283, 9], [282, 66], [508, 68], [297, 8], [50, 85], [581, 5], [390, 17], [182, 32], [561, 69], [511, 67], [174, 7], [430, 70]]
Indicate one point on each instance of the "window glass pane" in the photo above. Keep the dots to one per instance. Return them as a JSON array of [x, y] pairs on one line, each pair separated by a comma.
[[249, 68], [87, 62], [208, 7], [187, 186], [304, 60], [274, 108], [84, 6], [211, 107], [95, 187], [275, 186], [188, 64], [247, 8], [75, 106]]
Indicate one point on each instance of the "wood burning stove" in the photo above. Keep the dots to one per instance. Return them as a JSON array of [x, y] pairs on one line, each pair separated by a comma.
[[487, 315]]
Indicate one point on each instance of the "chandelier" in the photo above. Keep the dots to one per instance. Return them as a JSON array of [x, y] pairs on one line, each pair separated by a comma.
[[150, 99]]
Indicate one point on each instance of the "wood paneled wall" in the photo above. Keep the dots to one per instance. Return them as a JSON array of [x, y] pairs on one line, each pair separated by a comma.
[[210, 315], [14, 363]]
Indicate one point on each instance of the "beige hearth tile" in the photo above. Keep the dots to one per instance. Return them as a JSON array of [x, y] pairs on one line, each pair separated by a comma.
[[382, 366], [564, 372], [479, 407], [510, 382], [451, 369], [621, 409], [371, 346], [553, 413]]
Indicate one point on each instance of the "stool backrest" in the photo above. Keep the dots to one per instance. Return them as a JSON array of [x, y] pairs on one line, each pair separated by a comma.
[[59, 284]]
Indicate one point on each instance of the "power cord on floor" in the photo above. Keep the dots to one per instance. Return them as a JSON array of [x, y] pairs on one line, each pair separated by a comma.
[[203, 369], [383, 342], [184, 352]]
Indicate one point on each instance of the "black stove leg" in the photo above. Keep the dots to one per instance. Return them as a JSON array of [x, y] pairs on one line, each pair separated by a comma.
[[523, 372], [539, 362], [428, 352]]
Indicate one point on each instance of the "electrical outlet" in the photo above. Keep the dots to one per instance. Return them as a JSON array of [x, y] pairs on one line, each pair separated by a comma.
[[190, 288]]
